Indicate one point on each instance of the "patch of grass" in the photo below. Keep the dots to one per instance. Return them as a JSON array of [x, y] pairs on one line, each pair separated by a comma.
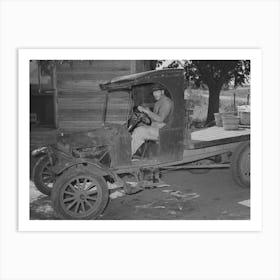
[[199, 102]]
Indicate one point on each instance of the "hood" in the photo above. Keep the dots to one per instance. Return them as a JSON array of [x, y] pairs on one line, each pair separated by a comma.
[[102, 136]]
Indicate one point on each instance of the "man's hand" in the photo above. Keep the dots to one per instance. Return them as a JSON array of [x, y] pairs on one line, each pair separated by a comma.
[[144, 110]]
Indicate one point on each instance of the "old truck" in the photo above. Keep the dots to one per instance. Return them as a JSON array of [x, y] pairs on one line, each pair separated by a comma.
[[76, 170]]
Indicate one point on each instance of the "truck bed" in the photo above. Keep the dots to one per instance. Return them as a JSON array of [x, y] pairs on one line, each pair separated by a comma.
[[214, 136]]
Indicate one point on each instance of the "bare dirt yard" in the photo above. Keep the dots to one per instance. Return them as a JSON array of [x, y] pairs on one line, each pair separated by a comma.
[[211, 196]]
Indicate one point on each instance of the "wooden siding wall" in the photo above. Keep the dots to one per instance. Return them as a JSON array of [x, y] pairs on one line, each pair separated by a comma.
[[80, 100]]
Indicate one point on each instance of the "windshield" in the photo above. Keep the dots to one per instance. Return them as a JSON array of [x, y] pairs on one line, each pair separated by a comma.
[[117, 107]]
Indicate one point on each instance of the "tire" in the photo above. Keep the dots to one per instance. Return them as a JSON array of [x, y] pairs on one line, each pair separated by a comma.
[[240, 165], [79, 194], [43, 177]]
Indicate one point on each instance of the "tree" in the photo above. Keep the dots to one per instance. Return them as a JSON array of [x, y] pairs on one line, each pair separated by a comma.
[[151, 64], [216, 74], [145, 65]]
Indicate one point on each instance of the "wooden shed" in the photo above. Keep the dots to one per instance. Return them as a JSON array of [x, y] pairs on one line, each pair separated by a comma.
[[69, 98]]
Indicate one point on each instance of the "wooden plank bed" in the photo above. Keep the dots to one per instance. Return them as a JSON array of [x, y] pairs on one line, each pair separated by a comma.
[[214, 136]]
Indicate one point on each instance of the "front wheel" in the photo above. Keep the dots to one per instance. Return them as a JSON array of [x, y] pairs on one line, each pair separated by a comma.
[[240, 165], [79, 194]]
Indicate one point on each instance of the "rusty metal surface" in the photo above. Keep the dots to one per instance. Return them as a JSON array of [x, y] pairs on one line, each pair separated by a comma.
[[112, 139]]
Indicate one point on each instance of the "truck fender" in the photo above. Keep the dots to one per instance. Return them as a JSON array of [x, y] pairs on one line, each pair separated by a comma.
[[39, 151], [92, 166]]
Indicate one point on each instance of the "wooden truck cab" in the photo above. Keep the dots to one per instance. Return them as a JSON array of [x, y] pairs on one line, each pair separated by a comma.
[[141, 86]]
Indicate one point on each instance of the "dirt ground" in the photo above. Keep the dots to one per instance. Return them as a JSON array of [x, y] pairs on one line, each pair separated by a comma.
[[211, 196]]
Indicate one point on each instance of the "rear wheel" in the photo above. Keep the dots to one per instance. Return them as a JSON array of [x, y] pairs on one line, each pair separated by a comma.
[[240, 165], [43, 176], [79, 194]]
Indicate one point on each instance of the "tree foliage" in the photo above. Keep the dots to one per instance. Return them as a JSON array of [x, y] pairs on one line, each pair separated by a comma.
[[214, 74]]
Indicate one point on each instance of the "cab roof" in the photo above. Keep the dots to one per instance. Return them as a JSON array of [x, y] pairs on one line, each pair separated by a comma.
[[128, 81]]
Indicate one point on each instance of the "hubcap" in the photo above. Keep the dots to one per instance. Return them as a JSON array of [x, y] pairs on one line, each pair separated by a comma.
[[80, 196]]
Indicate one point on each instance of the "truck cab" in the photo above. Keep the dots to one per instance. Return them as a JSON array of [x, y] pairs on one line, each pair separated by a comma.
[[170, 145]]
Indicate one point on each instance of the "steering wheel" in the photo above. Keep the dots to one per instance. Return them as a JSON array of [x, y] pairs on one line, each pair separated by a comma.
[[137, 118]]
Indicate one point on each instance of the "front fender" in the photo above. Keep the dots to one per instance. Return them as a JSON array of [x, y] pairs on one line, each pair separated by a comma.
[[94, 166], [39, 151]]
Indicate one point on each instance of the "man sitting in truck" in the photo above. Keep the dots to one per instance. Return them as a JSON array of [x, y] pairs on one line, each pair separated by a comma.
[[160, 115]]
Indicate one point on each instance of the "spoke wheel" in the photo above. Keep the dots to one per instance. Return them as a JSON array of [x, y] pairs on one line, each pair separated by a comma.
[[43, 176], [240, 165], [80, 194]]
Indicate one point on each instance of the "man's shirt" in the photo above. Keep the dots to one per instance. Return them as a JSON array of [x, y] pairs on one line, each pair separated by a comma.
[[163, 108]]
